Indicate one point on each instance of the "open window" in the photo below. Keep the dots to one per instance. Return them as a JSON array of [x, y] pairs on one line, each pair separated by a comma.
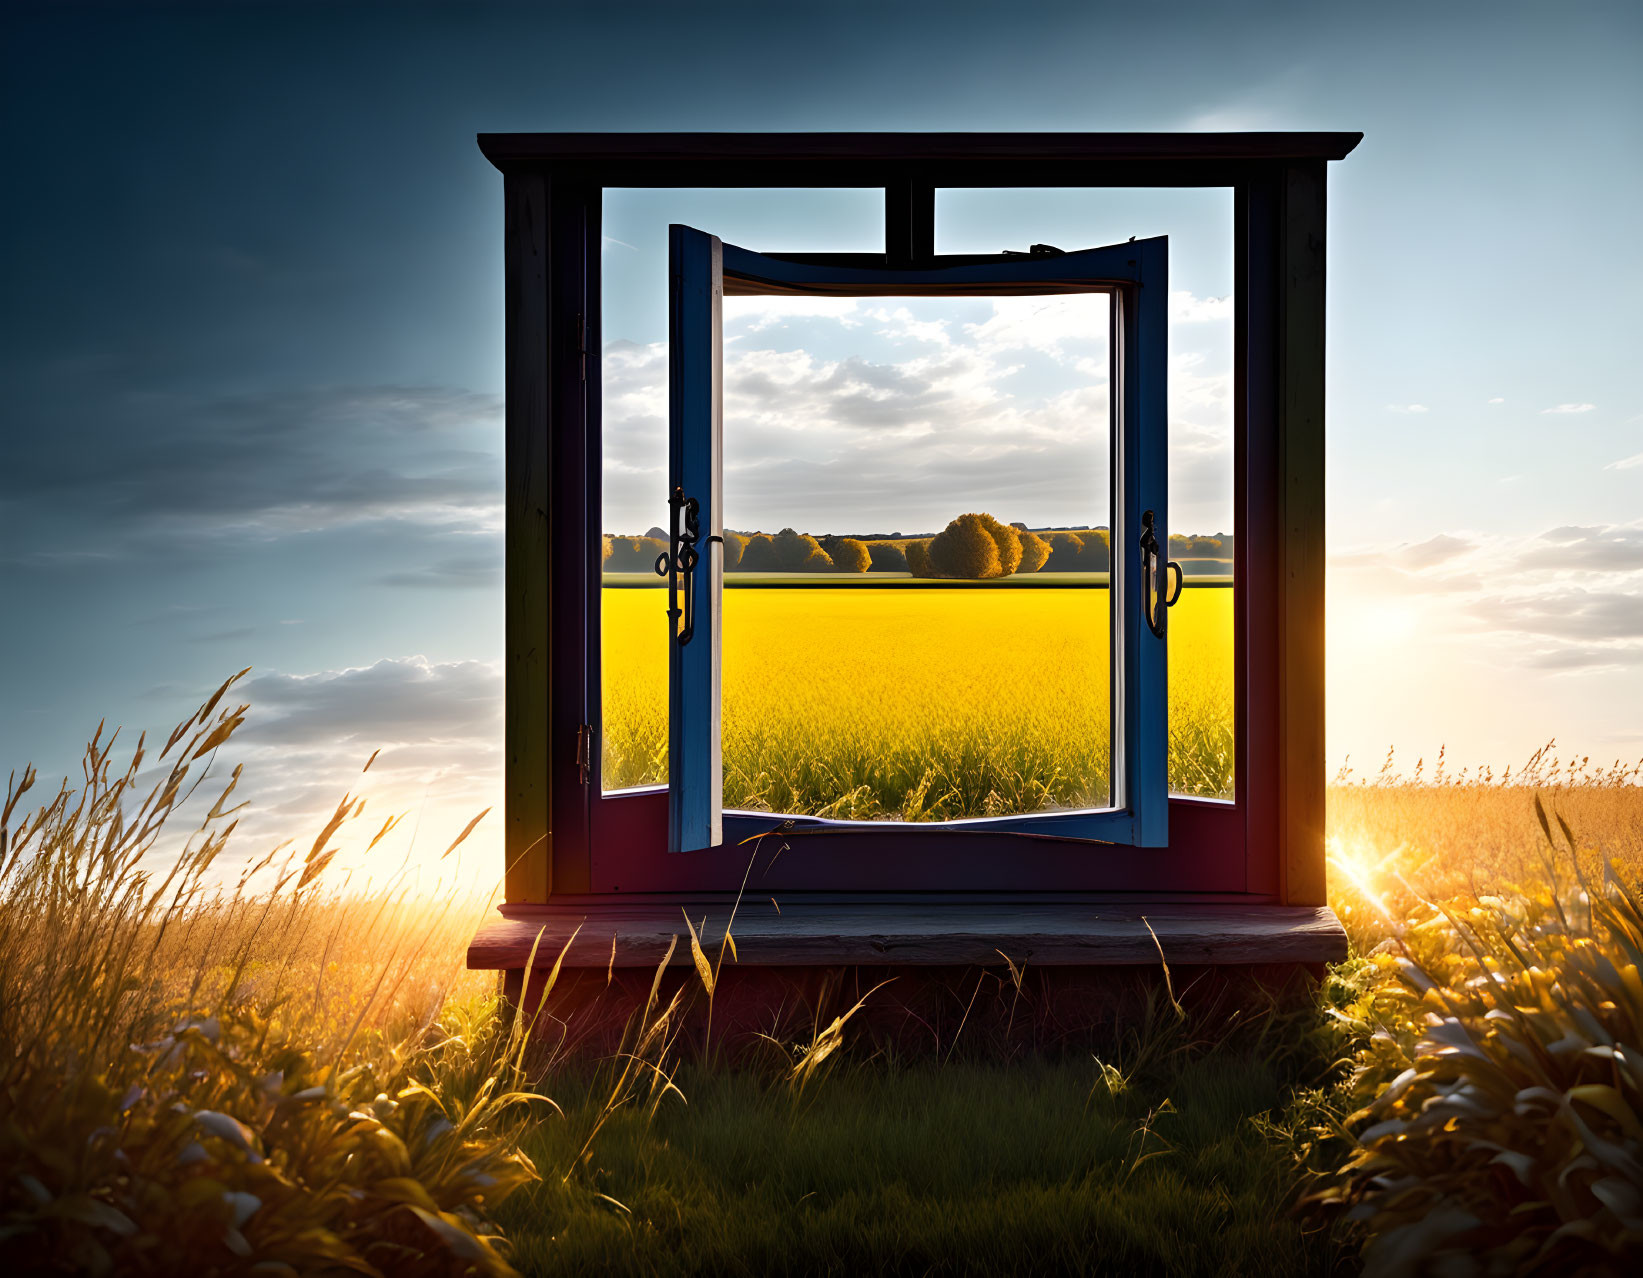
[[1125, 802]]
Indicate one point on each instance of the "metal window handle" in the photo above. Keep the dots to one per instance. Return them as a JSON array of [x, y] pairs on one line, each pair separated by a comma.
[[1157, 594], [680, 562]]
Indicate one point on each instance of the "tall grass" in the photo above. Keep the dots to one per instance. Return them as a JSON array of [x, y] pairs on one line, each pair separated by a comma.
[[203, 1071], [197, 1075], [1492, 1117]]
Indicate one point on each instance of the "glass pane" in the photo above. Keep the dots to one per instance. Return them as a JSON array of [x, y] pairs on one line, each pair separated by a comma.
[[1199, 226], [633, 382], [916, 618]]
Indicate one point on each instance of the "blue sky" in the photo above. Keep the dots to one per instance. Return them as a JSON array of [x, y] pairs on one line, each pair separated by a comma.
[[252, 338]]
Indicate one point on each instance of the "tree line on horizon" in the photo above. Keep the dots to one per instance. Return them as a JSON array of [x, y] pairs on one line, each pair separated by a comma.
[[973, 547]]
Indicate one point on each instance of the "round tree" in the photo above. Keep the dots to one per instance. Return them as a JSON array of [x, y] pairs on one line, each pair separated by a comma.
[[1097, 555], [918, 559], [887, 556], [1035, 551], [1065, 551], [849, 555], [966, 549], [759, 555], [1008, 541], [800, 552]]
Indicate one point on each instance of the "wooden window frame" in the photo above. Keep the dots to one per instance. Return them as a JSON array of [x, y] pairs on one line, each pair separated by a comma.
[[568, 842]]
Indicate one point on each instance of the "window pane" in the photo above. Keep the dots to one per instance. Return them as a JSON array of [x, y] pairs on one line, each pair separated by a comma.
[[633, 381], [1199, 226], [916, 618]]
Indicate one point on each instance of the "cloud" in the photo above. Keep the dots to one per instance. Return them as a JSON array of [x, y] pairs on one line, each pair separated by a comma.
[[1587, 550], [1067, 327], [1587, 657], [1407, 408], [1573, 613], [1436, 550], [1184, 308], [761, 311], [436, 731], [1498, 399], [437, 725], [1569, 532], [151, 467], [1568, 599], [394, 702], [1626, 463], [457, 572], [1569, 408], [911, 411]]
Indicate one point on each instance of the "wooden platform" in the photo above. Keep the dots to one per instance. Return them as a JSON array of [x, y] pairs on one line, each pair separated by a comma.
[[929, 932]]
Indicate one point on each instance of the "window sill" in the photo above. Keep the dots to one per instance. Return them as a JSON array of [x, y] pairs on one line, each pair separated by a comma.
[[915, 931]]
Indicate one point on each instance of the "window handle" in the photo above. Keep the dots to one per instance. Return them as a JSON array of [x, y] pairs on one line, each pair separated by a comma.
[[1156, 585], [678, 564]]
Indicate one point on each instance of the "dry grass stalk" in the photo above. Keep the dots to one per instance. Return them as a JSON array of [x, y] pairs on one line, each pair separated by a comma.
[[202, 1077]]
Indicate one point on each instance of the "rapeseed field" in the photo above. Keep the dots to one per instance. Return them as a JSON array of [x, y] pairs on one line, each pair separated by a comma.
[[918, 704]]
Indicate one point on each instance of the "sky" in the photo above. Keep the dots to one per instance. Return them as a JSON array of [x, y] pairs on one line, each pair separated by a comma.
[[252, 351]]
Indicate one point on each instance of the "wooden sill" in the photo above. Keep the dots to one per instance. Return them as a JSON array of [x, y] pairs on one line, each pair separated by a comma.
[[922, 931]]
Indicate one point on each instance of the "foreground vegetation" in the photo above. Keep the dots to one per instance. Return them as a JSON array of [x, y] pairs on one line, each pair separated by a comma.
[[965, 1166], [284, 1080], [197, 1079]]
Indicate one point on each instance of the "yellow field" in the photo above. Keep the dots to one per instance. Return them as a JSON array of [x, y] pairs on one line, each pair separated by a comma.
[[922, 704]]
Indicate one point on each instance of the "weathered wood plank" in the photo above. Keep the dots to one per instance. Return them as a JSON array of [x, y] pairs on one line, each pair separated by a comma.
[[945, 934], [528, 840], [1301, 770]]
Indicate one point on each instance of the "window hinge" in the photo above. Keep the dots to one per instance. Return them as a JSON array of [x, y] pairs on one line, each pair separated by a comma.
[[584, 751]]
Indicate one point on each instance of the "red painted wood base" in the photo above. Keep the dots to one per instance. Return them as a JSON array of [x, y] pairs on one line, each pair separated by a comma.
[[914, 1011]]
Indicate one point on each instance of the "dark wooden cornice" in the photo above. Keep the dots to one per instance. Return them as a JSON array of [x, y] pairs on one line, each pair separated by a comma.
[[867, 159]]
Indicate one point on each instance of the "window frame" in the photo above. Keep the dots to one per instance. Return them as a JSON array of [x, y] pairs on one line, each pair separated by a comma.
[[568, 840], [1134, 278]]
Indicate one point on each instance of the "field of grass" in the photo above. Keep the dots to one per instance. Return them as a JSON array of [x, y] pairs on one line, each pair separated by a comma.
[[962, 1167], [283, 1080], [920, 704]]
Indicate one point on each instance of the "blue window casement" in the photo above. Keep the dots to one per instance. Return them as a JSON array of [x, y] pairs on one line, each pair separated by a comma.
[[1135, 278]]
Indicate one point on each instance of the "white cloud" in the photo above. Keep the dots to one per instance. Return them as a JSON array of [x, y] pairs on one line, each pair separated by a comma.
[[912, 411], [1066, 327], [901, 325], [438, 727], [1407, 408], [1570, 408], [1626, 463], [1570, 598], [1184, 308], [761, 311], [1498, 399]]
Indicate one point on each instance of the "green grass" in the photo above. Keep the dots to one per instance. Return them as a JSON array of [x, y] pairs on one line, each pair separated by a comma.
[[1029, 1167]]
